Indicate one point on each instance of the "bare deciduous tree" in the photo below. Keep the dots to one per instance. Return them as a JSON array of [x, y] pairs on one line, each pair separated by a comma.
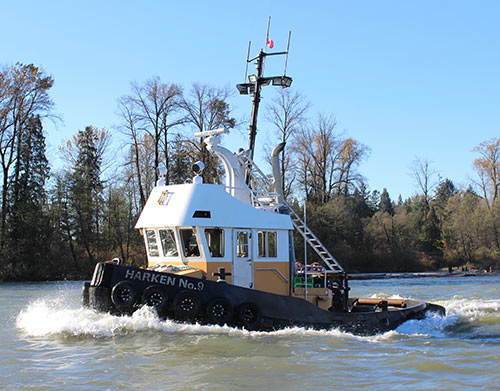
[[331, 160], [287, 112], [426, 179], [488, 169], [152, 108], [206, 108]]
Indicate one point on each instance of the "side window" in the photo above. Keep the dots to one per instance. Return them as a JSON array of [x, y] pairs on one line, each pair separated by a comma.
[[167, 238], [272, 247], [242, 244], [262, 244], [152, 244], [189, 243], [267, 244], [215, 241]]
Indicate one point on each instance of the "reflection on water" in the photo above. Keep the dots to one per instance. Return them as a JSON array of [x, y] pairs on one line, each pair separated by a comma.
[[52, 343]]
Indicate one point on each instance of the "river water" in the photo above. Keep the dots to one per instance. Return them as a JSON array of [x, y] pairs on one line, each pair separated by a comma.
[[49, 342]]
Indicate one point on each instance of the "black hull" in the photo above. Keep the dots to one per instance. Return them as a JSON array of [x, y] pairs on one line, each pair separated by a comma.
[[122, 290]]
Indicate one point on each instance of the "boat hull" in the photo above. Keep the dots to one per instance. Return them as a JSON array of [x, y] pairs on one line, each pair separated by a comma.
[[122, 290]]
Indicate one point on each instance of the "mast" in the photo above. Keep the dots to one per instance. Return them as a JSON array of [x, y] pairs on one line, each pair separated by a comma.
[[257, 81], [252, 132]]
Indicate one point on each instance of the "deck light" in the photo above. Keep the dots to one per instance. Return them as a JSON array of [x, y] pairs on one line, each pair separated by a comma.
[[277, 81], [198, 168], [242, 89], [286, 81]]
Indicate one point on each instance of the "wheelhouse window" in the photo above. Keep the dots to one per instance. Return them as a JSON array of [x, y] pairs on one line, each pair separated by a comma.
[[152, 243], [215, 242], [189, 243], [167, 239], [267, 244], [242, 244]]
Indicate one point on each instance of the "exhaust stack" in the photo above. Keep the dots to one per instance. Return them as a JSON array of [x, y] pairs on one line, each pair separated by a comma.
[[275, 161]]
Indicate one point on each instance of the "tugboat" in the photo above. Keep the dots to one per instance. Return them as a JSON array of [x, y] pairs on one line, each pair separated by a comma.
[[224, 254]]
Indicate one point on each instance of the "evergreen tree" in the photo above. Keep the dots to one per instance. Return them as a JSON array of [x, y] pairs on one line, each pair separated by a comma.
[[430, 233], [28, 228], [385, 203], [86, 190], [181, 161]]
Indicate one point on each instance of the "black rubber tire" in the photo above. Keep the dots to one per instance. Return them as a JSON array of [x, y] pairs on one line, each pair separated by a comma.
[[219, 311], [187, 305], [249, 315], [123, 295], [156, 297]]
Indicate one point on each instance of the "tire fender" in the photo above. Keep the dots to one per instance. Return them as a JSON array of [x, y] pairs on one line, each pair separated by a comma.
[[123, 295], [156, 297], [187, 305], [219, 311], [249, 315]]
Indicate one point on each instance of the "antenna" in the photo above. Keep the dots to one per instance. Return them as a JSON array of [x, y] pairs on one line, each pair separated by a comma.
[[287, 51], [267, 32], [248, 56], [255, 83]]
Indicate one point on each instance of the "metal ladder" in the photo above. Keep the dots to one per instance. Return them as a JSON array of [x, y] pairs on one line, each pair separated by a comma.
[[314, 242], [260, 179]]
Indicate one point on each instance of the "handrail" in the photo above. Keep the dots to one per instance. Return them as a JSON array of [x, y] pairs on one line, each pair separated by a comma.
[[273, 269]]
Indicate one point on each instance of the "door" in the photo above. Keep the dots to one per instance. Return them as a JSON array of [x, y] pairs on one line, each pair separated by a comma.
[[242, 274]]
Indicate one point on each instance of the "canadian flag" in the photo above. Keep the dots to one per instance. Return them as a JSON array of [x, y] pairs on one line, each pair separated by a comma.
[[270, 43]]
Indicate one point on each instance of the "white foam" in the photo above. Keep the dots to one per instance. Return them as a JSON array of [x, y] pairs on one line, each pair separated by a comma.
[[471, 308], [48, 316], [458, 310], [433, 325]]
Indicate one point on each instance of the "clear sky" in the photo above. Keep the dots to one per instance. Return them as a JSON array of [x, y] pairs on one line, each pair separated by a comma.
[[406, 78]]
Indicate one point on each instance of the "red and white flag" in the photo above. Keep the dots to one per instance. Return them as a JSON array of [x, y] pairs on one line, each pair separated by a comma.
[[270, 43]]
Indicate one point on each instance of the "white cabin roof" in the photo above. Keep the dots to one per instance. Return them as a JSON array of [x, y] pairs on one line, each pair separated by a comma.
[[175, 205]]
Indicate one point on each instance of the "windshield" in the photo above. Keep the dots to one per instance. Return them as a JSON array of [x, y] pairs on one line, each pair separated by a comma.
[[189, 243]]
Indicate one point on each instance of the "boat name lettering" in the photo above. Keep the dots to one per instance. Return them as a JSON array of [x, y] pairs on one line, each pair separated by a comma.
[[163, 279]]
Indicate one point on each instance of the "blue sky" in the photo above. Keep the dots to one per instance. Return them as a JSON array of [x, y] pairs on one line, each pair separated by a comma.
[[407, 79]]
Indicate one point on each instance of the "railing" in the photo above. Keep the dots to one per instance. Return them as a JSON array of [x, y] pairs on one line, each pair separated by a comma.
[[261, 184], [274, 270]]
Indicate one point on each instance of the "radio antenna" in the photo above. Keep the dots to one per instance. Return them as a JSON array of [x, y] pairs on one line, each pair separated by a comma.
[[287, 51], [257, 81], [248, 56]]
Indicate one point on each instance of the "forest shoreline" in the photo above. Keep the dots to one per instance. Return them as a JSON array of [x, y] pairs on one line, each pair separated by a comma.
[[352, 277], [380, 276]]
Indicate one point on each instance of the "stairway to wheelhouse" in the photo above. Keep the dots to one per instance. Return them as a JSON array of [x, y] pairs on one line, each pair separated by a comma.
[[264, 194]]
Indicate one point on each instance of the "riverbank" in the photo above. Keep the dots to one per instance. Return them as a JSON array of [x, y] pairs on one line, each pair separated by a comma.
[[380, 276]]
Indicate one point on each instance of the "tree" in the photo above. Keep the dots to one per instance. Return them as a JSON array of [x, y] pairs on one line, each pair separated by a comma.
[[462, 227], [28, 224], [488, 170], [62, 243], [182, 160], [86, 152], [444, 191], [152, 108], [352, 153], [24, 92], [320, 146], [327, 162], [287, 113], [119, 217], [206, 108], [424, 176], [385, 203]]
